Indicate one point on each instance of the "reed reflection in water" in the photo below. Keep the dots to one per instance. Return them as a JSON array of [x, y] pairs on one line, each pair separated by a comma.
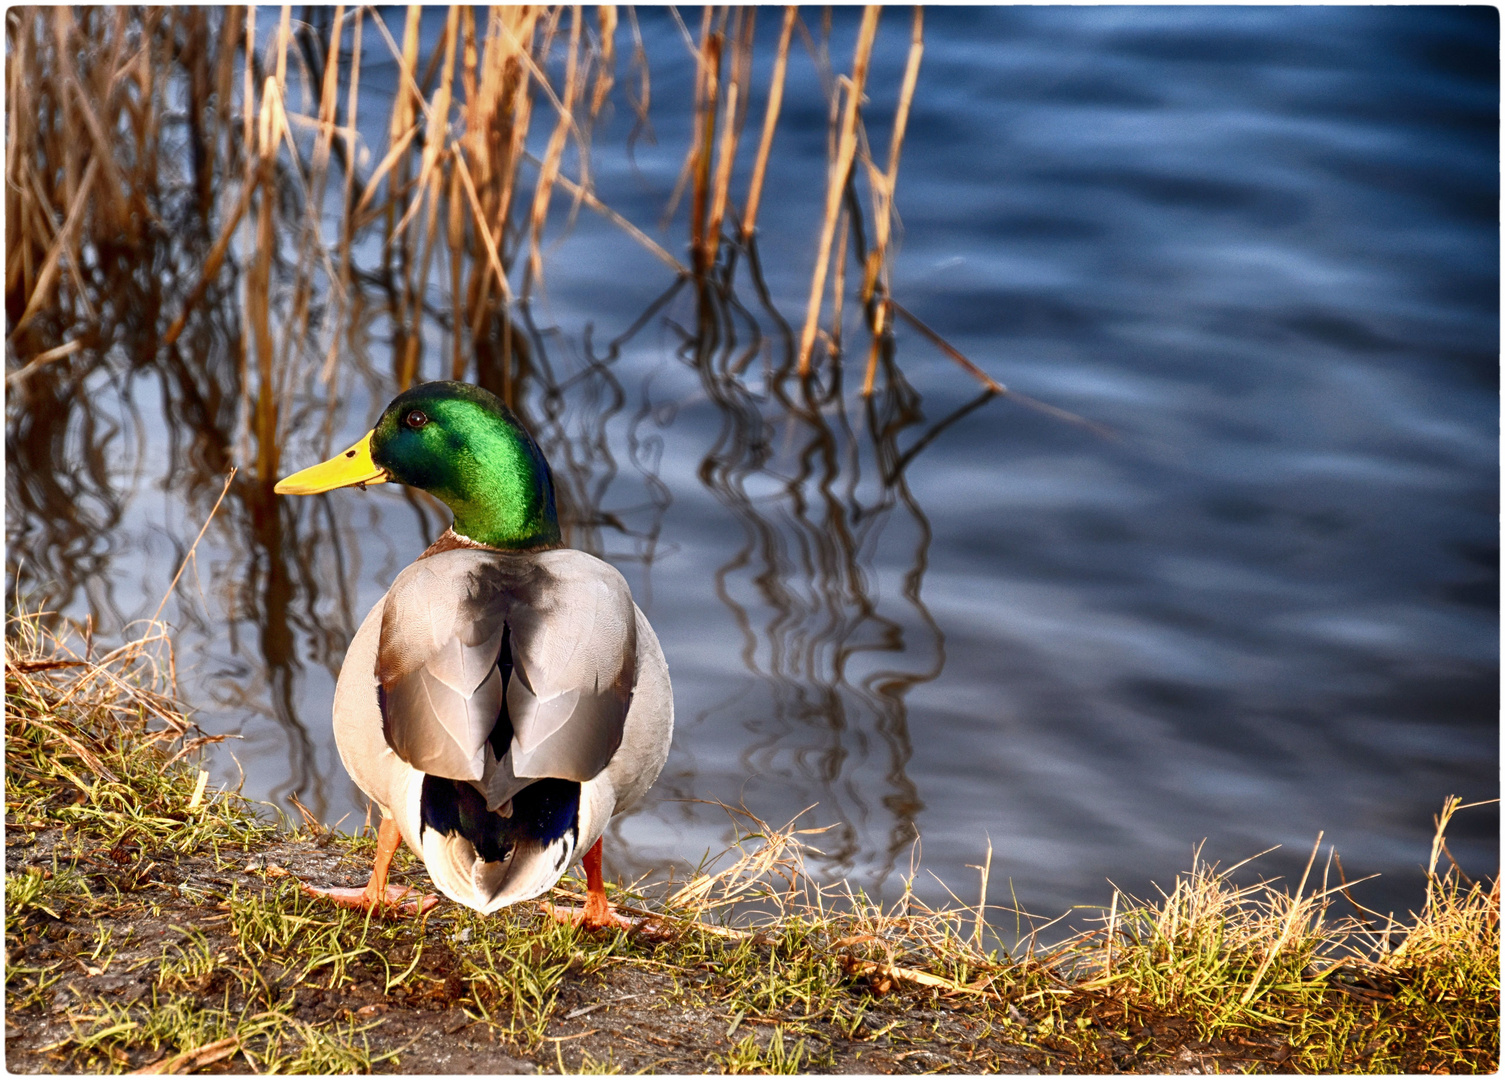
[[811, 474], [244, 283]]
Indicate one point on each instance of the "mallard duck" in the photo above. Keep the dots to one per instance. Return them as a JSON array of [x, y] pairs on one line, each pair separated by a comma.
[[505, 697]]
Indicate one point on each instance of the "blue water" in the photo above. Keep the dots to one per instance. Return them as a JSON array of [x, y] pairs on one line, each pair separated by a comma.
[[1259, 246]]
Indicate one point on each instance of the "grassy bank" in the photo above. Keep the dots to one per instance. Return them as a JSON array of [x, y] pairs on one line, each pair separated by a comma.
[[155, 924]]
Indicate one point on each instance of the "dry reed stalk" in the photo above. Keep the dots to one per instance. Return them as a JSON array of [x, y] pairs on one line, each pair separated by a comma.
[[409, 302], [43, 212], [225, 75], [549, 173], [36, 214], [883, 185], [60, 244], [707, 95], [617, 219], [487, 103], [310, 244], [112, 208], [258, 281], [435, 144], [18, 94], [328, 109], [22, 213], [731, 127], [497, 118], [950, 350], [606, 20], [67, 349], [471, 55], [252, 173], [836, 180], [742, 59], [115, 190], [691, 160], [770, 122], [519, 118], [294, 328], [435, 128], [839, 282], [478, 142], [644, 95], [525, 56], [404, 123], [982, 903], [491, 249], [455, 235], [248, 88], [318, 177], [284, 37], [30, 214], [549, 21], [396, 154], [70, 148], [882, 322], [352, 101]]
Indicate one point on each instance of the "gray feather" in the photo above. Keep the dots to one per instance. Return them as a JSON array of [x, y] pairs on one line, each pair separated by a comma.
[[573, 642]]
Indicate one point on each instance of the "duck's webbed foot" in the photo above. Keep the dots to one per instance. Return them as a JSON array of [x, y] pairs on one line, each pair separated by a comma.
[[393, 899], [597, 913], [378, 895], [590, 919]]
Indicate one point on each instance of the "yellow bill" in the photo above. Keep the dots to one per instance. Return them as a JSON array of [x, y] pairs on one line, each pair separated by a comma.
[[352, 467]]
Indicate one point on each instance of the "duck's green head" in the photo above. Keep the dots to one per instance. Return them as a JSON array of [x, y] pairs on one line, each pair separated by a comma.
[[462, 445]]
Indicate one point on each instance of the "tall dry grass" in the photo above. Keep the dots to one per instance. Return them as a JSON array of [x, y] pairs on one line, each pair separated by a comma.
[[163, 161]]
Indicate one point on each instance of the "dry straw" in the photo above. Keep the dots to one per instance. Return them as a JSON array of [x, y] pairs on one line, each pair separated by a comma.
[[101, 157]]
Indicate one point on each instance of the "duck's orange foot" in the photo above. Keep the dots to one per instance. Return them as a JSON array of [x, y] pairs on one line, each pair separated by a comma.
[[398, 899], [592, 917]]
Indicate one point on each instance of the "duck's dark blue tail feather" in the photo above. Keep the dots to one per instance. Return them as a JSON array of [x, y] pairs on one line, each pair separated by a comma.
[[542, 812]]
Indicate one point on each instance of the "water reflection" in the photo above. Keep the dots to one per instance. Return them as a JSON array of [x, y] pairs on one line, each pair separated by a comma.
[[1278, 621], [813, 489], [812, 475]]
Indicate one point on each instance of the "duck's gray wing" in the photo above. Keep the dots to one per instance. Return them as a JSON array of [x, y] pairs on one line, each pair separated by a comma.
[[499, 669]]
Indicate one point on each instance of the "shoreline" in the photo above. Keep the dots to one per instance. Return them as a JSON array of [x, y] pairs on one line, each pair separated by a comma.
[[155, 925]]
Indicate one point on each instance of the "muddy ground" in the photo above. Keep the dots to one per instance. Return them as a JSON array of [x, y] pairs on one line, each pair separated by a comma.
[[633, 1013]]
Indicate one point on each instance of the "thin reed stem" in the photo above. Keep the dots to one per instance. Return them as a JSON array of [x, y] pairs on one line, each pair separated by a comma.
[[770, 122], [836, 178], [883, 187]]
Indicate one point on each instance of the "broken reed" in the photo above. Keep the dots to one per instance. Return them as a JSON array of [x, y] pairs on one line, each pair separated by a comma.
[[150, 150]]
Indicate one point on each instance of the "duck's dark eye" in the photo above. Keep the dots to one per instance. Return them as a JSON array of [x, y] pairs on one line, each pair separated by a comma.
[[415, 419]]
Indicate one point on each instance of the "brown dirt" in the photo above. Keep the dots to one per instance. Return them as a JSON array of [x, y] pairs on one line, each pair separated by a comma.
[[621, 1016]]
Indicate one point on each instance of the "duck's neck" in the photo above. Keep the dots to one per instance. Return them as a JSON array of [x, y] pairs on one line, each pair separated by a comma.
[[449, 540], [501, 492], [499, 527]]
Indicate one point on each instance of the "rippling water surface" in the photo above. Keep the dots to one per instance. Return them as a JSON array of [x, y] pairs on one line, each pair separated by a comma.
[[1260, 246]]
